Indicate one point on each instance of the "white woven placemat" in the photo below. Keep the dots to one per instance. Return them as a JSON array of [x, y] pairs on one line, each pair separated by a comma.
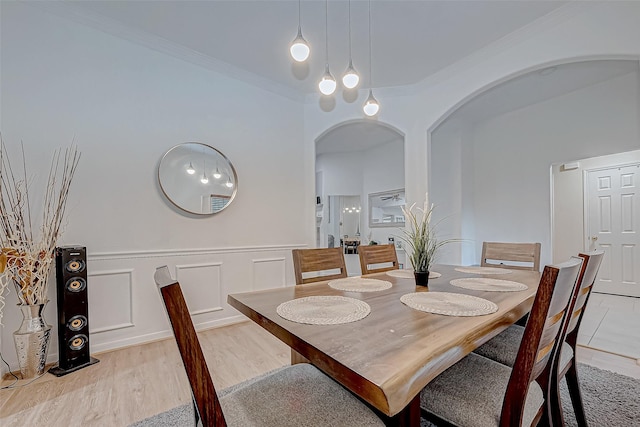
[[408, 274], [491, 285], [324, 310], [484, 270], [449, 304], [359, 284]]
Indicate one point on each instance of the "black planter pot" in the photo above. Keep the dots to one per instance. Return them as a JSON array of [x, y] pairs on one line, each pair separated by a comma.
[[422, 278]]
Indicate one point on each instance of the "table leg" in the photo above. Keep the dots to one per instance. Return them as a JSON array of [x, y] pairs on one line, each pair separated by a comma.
[[409, 416], [298, 358]]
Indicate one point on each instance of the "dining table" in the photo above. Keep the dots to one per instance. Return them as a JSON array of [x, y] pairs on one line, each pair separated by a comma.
[[390, 355]]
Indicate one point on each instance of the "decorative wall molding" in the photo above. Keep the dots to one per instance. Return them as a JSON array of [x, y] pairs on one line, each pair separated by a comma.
[[159, 253], [269, 272], [217, 282], [124, 322]]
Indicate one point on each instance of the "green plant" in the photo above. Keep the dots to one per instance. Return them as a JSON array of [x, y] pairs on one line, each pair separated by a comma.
[[420, 236]]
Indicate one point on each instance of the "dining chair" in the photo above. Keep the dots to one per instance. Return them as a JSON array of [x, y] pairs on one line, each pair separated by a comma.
[[504, 346], [322, 262], [376, 255], [290, 396], [478, 391], [511, 255]]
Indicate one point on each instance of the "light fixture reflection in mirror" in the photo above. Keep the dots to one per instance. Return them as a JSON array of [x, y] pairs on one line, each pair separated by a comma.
[[193, 191]]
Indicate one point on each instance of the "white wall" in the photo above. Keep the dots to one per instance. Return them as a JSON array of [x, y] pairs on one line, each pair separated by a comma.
[[383, 169], [125, 105]]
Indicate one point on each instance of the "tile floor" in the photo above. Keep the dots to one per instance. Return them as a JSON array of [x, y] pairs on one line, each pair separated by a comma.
[[611, 323]]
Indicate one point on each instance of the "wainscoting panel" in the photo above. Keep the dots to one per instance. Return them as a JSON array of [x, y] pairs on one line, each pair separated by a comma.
[[125, 307], [201, 286], [110, 300], [269, 273]]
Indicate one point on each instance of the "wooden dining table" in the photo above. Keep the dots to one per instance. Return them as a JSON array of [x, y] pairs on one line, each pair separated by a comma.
[[389, 356]]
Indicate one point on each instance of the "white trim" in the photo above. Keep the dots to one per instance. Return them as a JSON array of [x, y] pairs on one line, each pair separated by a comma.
[[130, 323], [159, 253]]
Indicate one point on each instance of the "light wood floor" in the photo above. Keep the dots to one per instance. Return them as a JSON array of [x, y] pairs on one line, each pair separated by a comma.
[[136, 382]]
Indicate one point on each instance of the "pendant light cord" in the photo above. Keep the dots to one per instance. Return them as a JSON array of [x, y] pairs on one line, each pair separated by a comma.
[[349, 31], [370, 72], [299, 17], [326, 31]]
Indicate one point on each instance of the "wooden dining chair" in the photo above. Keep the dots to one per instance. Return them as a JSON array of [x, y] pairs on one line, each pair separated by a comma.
[[323, 263], [511, 255], [478, 391], [293, 396], [382, 256], [503, 348]]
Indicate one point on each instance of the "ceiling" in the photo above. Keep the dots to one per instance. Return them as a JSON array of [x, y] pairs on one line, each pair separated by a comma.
[[411, 40]]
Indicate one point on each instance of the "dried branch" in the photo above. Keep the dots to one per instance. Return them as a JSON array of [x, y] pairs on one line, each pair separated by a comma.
[[27, 250]]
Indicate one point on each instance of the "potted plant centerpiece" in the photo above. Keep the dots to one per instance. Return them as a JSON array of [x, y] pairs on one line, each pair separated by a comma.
[[419, 234], [27, 247]]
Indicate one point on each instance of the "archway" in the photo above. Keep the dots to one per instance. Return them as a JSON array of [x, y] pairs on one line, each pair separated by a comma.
[[491, 154], [354, 159]]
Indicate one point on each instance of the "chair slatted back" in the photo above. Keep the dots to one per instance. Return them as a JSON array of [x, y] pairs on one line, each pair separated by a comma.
[[202, 389], [511, 252], [317, 261], [542, 336], [378, 254], [591, 265]]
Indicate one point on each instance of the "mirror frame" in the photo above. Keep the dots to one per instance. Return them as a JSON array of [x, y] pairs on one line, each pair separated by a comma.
[[373, 196], [225, 158]]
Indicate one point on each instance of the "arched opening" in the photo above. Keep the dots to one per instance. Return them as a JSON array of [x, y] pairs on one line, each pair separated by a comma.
[[357, 160], [490, 158]]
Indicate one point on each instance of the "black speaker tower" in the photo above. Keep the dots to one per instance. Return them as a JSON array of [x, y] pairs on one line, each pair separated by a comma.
[[73, 315]]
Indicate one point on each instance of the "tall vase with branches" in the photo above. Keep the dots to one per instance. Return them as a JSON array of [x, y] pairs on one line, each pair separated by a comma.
[[420, 236], [28, 244]]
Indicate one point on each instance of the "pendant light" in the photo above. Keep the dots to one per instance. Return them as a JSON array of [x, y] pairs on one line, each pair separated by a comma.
[[204, 178], [371, 106], [190, 169], [351, 78], [217, 173], [299, 47], [229, 183], [327, 84]]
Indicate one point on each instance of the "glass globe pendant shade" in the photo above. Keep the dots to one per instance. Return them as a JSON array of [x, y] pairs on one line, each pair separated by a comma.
[[327, 84], [371, 106], [217, 174], [229, 183], [204, 179], [351, 78], [299, 48]]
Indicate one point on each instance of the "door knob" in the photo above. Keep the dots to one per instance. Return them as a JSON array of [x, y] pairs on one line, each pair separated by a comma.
[[594, 238]]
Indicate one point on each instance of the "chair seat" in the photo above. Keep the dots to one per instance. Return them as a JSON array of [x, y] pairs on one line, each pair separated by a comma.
[[503, 348], [298, 395], [471, 392]]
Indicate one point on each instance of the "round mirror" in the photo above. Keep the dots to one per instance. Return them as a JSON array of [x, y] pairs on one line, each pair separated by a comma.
[[197, 178]]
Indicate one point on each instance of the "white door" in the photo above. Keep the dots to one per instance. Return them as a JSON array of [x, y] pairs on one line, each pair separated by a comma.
[[613, 225]]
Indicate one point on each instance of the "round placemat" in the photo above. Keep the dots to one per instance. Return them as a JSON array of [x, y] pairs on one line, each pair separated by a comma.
[[408, 274], [491, 285], [484, 270], [324, 310], [359, 284], [449, 304]]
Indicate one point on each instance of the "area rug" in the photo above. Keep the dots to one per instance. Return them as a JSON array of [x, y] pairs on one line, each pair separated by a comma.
[[610, 400]]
